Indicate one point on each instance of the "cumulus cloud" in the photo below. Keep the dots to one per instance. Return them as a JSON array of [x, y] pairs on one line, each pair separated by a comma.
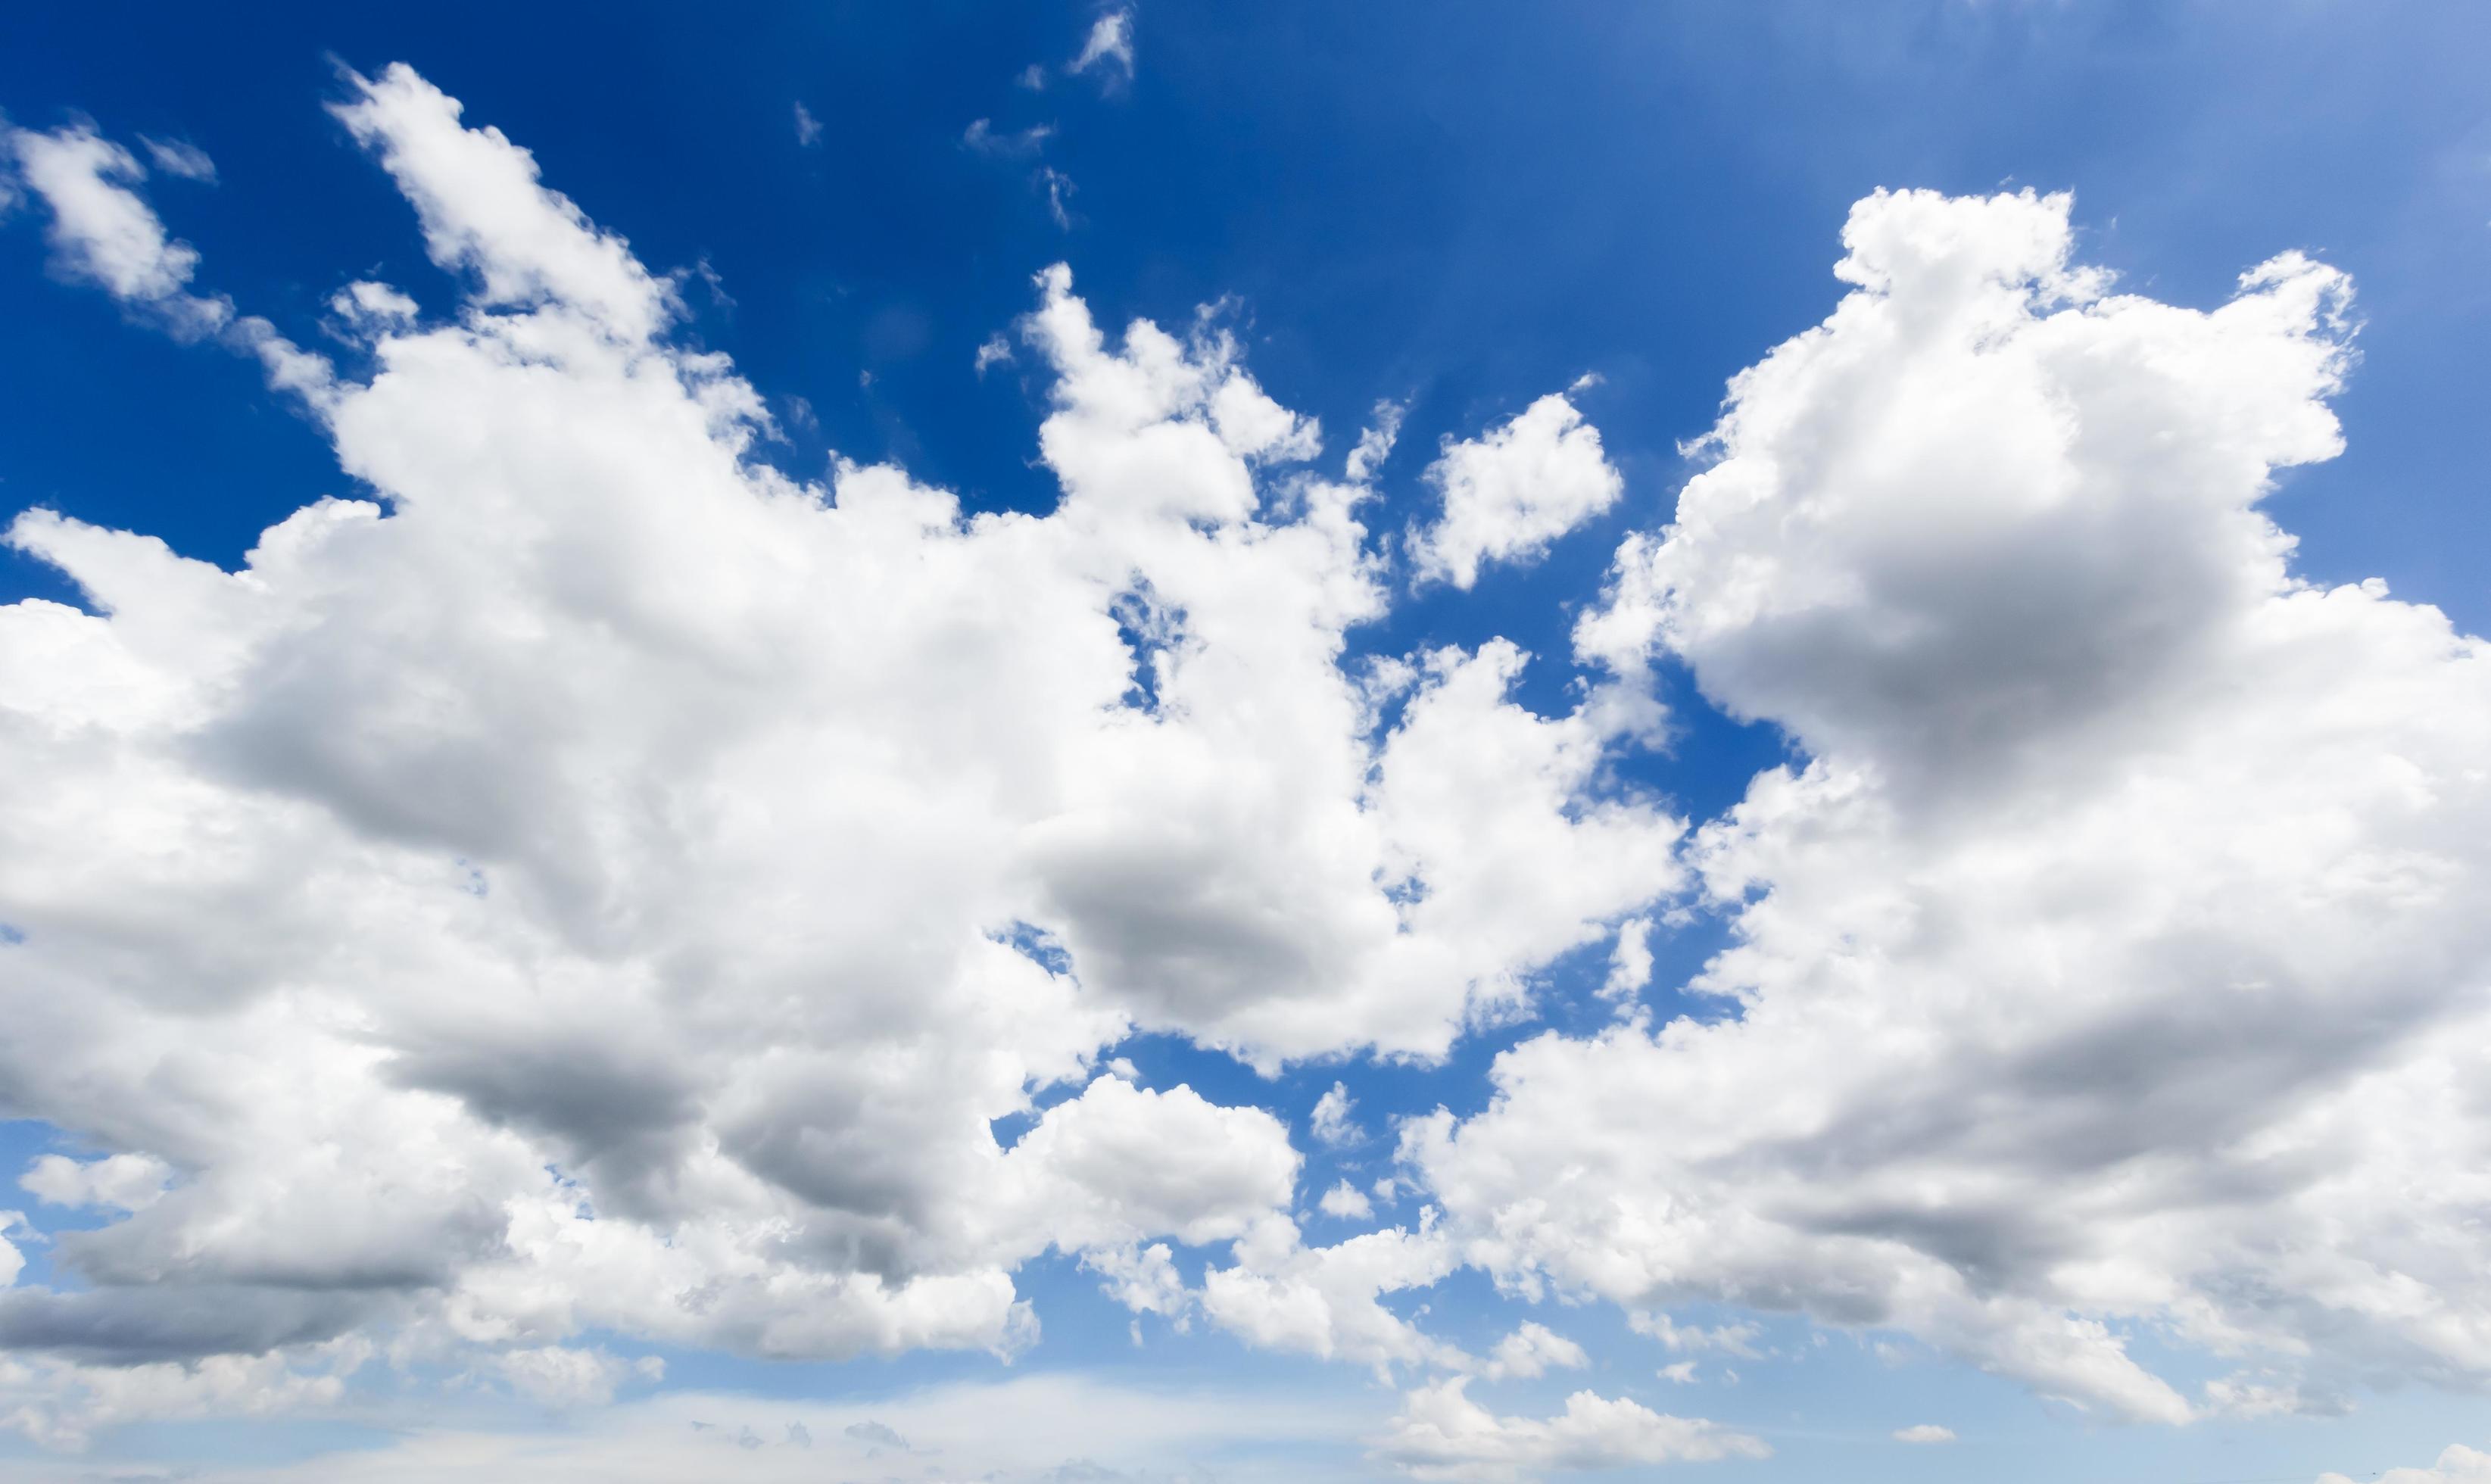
[[1323, 1301], [1441, 1434], [1346, 1201], [1925, 1433], [1532, 1349], [1331, 1122], [601, 883], [126, 1183], [1510, 492], [809, 128], [2117, 954], [604, 883]]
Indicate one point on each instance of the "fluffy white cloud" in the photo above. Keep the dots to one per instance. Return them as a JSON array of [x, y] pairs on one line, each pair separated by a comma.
[[1925, 1433], [1531, 1351], [1514, 490], [100, 232], [604, 883], [1441, 1434], [1629, 963], [1281, 1295], [2118, 955], [1346, 1201], [118, 1182], [1331, 1121], [566, 1378], [2457, 1465], [64, 1404]]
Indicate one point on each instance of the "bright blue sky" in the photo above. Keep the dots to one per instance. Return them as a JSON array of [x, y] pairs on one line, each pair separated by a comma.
[[1454, 208]]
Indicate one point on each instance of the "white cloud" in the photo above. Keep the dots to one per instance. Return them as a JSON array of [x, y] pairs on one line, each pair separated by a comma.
[[176, 156], [1028, 1429], [1924, 1432], [566, 1379], [1532, 1349], [1108, 47], [1730, 1339], [981, 138], [2457, 1465], [616, 887], [1630, 962], [1058, 187], [484, 211], [1507, 495], [1346, 1201], [1678, 1373], [126, 1183], [1441, 1434], [1321, 1301], [2123, 867], [1330, 1122], [104, 232], [809, 128], [995, 351], [1143, 1279], [1375, 443], [370, 306], [101, 231], [65, 1406]]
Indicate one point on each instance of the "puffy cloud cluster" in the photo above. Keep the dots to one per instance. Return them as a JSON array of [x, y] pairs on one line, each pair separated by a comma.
[[1441, 1434], [1510, 493], [600, 883], [2117, 958], [604, 883]]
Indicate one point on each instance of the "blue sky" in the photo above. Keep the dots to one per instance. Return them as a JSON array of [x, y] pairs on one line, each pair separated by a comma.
[[1458, 213]]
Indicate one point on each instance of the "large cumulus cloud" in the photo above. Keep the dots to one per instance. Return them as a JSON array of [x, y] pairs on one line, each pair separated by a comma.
[[598, 881], [2117, 958]]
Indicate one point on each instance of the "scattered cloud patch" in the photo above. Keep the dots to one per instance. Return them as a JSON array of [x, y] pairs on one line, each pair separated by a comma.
[[984, 139], [180, 158], [1108, 48], [1510, 492], [1347, 1203], [1441, 1434]]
